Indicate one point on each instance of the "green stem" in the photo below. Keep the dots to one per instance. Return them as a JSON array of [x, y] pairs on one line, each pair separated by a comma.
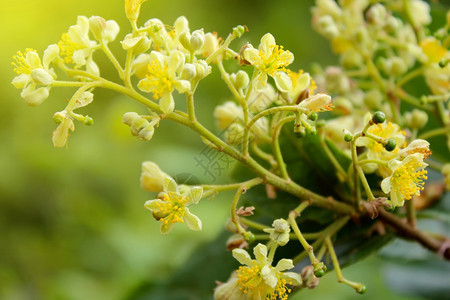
[[411, 213], [253, 224], [409, 76], [127, 74], [191, 107], [67, 83], [276, 147], [113, 59], [342, 175], [327, 232], [266, 156], [434, 132], [360, 288], [242, 189], [227, 187], [308, 248]]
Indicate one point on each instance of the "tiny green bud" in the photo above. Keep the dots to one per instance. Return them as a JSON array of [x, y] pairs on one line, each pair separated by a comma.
[[249, 237], [320, 269], [348, 137], [238, 31], [88, 121], [312, 130], [313, 116], [379, 117], [299, 131], [390, 145], [58, 118], [362, 289]]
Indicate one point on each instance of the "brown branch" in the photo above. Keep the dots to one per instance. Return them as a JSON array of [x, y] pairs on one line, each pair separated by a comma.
[[441, 247]]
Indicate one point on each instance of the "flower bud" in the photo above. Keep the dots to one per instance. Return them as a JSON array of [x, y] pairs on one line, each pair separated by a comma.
[[97, 25], [419, 118], [373, 98], [202, 69], [238, 31], [40, 76], [279, 232], [147, 132], [197, 40], [152, 178], [189, 71], [129, 117], [241, 80], [227, 113], [234, 134], [327, 27], [181, 25], [184, 39], [351, 59], [348, 137], [211, 44], [376, 14], [420, 12], [316, 102]]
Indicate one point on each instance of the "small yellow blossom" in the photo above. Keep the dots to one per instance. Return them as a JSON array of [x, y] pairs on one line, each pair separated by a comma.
[[76, 47], [163, 76], [258, 279], [152, 178], [407, 178], [270, 60], [171, 206], [34, 76], [279, 232]]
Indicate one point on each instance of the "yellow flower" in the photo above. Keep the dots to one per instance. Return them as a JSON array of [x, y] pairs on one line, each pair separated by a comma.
[[76, 47], [152, 178], [163, 76], [270, 60], [171, 206], [34, 76], [407, 178], [258, 279]]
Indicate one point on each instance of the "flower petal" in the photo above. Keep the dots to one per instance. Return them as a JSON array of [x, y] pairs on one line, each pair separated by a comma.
[[260, 252], [386, 185], [154, 205], [267, 44], [192, 221], [282, 81], [284, 264], [242, 257], [194, 195], [292, 278], [269, 277], [167, 103], [170, 185]]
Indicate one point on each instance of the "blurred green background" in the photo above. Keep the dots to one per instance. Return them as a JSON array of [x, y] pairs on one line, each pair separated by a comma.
[[72, 222]]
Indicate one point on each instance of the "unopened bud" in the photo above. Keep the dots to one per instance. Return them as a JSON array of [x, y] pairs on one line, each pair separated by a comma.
[[97, 25], [88, 121], [242, 80], [348, 137], [390, 145], [197, 40], [378, 117], [189, 72], [238, 31]]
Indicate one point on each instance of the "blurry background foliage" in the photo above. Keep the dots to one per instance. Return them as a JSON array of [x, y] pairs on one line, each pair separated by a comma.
[[72, 221]]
